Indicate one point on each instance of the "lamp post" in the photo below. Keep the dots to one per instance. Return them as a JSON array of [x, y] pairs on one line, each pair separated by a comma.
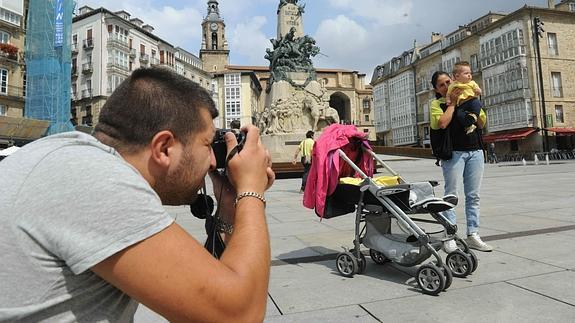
[[538, 33]]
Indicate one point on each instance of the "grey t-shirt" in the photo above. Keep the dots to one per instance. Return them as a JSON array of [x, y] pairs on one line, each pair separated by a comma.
[[68, 202]]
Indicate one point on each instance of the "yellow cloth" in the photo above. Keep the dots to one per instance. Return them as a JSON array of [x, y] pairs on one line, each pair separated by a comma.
[[468, 90], [381, 180], [435, 113], [306, 146]]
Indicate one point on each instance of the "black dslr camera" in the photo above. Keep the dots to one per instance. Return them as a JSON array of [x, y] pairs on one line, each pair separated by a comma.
[[220, 149]]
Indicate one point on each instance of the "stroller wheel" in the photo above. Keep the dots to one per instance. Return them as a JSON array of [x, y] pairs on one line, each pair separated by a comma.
[[460, 263], [430, 279], [474, 259], [346, 264], [362, 264], [377, 257], [448, 276]]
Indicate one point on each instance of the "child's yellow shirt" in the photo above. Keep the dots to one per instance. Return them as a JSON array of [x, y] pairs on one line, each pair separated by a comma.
[[468, 90]]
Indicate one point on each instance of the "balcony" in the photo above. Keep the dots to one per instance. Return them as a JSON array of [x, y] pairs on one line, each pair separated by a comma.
[[119, 42], [9, 53], [75, 48], [74, 71], [88, 43], [87, 93], [132, 53], [117, 67], [144, 58], [154, 61], [557, 92], [14, 92], [87, 68]]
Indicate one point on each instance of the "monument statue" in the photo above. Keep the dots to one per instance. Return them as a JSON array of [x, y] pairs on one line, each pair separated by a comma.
[[296, 102], [292, 54]]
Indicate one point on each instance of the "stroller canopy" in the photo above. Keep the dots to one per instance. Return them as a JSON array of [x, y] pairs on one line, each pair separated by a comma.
[[327, 168]]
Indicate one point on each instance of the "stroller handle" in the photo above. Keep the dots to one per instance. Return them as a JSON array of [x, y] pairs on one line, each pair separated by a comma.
[[360, 172]]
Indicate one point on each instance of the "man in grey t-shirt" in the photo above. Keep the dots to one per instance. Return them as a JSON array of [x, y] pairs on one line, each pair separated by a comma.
[[84, 233]]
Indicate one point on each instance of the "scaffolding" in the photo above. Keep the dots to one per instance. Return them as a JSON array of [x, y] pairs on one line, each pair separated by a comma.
[[48, 63]]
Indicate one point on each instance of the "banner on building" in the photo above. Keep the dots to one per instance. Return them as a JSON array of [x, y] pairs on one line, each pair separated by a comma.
[[59, 23]]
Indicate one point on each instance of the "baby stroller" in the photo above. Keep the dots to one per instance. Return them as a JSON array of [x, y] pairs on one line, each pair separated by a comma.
[[383, 206]]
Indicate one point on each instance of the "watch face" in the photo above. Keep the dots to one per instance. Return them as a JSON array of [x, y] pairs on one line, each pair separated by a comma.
[[214, 26]]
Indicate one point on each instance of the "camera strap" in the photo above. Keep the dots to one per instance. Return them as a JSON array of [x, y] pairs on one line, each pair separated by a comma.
[[203, 208]]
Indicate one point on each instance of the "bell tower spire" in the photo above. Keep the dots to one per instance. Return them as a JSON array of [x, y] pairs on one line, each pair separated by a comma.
[[214, 52]]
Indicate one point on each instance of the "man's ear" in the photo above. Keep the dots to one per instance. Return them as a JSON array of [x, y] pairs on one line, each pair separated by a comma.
[[161, 148]]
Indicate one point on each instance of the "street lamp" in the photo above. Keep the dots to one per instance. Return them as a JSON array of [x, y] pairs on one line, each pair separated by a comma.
[[538, 33]]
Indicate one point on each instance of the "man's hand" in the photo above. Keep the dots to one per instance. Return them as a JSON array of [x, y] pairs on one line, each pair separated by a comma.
[[250, 169]]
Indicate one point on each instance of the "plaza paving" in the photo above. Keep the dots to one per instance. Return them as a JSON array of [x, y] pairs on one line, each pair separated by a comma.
[[526, 214]]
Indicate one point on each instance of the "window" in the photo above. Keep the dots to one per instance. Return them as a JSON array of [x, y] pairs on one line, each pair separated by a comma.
[[3, 81], [556, 85], [3, 110], [559, 114], [4, 37], [232, 79], [366, 104], [10, 17], [366, 117], [552, 43], [24, 84], [572, 7]]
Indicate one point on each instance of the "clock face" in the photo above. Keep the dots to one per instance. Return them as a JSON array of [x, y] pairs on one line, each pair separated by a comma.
[[214, 26]]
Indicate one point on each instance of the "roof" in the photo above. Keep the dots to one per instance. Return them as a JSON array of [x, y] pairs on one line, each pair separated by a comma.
[[267, 69], [103, 10]]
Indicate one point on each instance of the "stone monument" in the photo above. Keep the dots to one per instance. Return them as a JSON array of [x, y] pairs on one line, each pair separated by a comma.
[[296, 101]]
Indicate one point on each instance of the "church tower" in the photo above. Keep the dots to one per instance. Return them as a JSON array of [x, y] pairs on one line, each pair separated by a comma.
[[214, 53]]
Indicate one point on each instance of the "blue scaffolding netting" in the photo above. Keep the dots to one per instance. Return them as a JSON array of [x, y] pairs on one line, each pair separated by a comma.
[[48, 63]]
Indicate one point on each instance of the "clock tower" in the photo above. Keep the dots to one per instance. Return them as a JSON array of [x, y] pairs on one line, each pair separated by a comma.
[[214, 52]]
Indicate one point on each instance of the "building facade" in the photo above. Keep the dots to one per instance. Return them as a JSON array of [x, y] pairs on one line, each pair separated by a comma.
[[13, 126], [504, 60], [106, 47]]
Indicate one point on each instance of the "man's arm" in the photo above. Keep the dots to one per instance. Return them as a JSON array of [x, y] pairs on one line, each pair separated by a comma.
[[172, 274], [297, 151]]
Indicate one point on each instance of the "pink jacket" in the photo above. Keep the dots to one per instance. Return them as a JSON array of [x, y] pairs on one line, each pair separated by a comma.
[[327, 167]]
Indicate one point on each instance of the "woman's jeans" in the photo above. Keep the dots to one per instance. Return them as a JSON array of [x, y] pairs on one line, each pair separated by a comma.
[[466, 165]]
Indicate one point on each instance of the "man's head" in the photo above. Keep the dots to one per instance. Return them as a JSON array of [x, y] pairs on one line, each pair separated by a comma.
[[149, 101], [462, 72], [162, 124], [235, 124], [309, 134]]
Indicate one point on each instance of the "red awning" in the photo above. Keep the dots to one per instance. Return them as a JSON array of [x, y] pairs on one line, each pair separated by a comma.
[[562, 131], [507, 136]]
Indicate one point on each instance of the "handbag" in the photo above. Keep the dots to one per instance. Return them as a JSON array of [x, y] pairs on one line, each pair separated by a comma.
[[441, 145]]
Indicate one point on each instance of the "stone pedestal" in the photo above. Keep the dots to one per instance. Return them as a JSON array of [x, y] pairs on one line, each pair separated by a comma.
[[283, 146]]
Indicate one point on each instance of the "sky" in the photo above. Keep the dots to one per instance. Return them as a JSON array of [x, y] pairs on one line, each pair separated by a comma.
[[352, 34]]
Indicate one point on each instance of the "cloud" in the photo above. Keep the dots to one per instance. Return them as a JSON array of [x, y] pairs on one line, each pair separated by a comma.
[[382, 12], [341, 37], [342, 42], [248, 40]]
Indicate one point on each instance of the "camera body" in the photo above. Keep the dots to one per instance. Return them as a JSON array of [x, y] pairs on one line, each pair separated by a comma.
[[220, 149]]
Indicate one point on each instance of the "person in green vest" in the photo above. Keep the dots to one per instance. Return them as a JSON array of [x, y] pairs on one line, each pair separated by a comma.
[[306, 149]]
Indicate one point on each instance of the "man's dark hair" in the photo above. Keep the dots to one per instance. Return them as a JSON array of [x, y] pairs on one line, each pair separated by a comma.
[[235, 124], [149, 101], [309, 134]]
